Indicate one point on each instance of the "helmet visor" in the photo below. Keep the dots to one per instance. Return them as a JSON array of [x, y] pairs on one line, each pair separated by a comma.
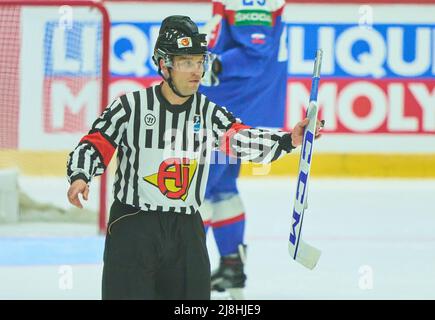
[[191, 63]]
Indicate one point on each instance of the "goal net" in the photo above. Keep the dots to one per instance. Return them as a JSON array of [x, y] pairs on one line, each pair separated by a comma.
[[53, 85]]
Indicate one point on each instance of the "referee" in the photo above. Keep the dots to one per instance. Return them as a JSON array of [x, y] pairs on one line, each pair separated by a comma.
[[155, 245]]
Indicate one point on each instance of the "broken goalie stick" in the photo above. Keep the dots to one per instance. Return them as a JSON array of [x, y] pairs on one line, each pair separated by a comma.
[[299, 250]]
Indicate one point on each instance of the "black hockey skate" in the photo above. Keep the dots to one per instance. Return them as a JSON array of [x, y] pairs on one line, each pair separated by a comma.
[[229, 279]]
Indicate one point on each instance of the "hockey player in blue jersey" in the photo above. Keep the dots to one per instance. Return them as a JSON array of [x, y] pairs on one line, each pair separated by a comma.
[[249, 76]]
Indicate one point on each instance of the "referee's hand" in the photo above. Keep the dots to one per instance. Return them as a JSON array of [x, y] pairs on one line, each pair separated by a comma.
[[78, 186], [298, 131]]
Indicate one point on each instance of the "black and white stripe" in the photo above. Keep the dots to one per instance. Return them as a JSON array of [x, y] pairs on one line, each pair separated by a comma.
[[143, 145]]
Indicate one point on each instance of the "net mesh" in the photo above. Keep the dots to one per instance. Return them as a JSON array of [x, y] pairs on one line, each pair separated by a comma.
[[9, 75]]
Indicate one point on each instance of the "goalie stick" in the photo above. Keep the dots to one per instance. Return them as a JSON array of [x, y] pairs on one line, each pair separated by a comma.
[[299, 250]]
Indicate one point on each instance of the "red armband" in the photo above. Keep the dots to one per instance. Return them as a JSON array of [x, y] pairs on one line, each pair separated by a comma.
[[225, 146], [101, 144]]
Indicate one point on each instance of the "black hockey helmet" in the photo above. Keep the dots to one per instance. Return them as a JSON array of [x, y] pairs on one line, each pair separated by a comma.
[[179, 35]]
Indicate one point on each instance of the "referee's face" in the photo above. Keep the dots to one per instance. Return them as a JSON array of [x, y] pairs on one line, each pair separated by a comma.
[[187, 73]]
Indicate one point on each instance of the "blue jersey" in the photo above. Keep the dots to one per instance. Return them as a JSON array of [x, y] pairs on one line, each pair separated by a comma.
[[250, 40]]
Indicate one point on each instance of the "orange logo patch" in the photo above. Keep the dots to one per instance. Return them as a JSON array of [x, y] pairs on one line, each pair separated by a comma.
[[185, 42]]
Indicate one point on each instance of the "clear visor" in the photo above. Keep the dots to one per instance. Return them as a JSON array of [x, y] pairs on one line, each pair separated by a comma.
[[191, 63]]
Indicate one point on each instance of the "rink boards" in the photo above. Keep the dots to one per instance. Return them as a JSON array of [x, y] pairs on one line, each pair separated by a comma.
[[324, 164]]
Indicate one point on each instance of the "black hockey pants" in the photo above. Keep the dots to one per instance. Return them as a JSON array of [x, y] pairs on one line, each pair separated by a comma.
[[155, 255]]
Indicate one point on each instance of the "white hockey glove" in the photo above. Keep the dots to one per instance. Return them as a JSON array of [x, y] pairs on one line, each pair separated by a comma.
[[210, 78]]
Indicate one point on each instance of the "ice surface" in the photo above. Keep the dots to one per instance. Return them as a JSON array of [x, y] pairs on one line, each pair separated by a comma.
[[377, 239]]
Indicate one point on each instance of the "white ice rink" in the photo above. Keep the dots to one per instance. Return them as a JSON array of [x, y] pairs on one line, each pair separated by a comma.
[[377, 239]]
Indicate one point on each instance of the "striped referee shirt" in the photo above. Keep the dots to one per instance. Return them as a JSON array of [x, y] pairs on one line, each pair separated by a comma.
[[163, 150]]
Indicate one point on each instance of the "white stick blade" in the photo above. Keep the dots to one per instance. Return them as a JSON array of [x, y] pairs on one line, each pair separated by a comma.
[[307, 255]]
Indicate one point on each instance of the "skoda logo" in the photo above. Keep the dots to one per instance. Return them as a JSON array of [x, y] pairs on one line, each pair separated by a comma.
[[150, 119]]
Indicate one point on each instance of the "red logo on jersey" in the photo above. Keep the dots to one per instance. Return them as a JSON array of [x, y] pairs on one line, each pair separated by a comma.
[[174, 177]]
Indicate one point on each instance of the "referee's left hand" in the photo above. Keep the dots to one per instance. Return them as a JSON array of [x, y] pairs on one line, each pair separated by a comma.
[[298, 131]]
